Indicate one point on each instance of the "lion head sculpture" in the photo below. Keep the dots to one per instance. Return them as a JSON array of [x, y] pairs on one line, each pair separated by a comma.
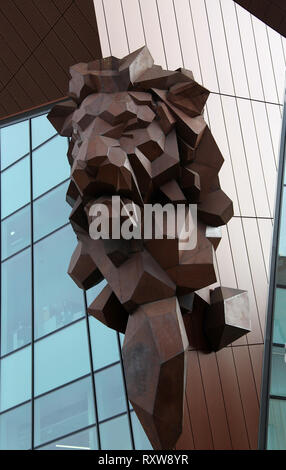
[[137, 131]]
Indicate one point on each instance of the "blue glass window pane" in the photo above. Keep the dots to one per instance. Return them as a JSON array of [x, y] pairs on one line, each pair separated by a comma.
[[16, 232], [51, 211], [15, 381], [16, 302], [141, 440], [84, 440], [103, 339], [121, 336], [14, 141], [92, 293], [279, 330], [15, 187], [50, 165], [110, 392], [115, 434], [276, 425], [42, 130], [104, 344], [61, 357], [63, 411], [15, 428], [278, 371], [58, 300]]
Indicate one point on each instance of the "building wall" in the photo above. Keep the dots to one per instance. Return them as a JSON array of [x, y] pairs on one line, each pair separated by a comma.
[[242, 62]]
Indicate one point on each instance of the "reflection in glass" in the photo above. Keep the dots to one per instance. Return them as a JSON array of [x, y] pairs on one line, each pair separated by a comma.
[[278, 371], [15, 187], [121, 337], [92, 293], [15, 232], [115, 434], [14, 142], [141, 440], [16, 302], [15, 383], [61, 357], [58, 301], [15, 428], [279, 329], [42, 130], [63, 411], [276, 425], [110, 392], [104, 344], [51, 211], [84, 440], [50, 165]]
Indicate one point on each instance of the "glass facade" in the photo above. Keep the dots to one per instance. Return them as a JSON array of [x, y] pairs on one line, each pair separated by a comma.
[[61, 378], [273, 414]]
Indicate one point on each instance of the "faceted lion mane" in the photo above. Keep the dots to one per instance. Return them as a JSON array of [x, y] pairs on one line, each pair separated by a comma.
[[138, 132]]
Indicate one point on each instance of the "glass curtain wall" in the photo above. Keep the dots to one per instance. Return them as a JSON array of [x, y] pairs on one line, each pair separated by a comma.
[[61, 377]]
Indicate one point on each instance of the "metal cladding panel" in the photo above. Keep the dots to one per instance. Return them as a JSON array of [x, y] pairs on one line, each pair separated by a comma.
[[242, 62], [272, 12], [39, 42]]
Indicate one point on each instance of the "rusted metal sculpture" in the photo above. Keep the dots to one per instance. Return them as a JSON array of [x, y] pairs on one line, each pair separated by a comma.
[[138, 131]]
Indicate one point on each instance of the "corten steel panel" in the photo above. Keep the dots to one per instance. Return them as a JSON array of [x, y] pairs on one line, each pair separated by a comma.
[[232, 399], [235, 40], [198, 411], [271, 12], [223, 412], [215, 401], [249, 397], [186, 440], [38, 43], [256, 355]]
